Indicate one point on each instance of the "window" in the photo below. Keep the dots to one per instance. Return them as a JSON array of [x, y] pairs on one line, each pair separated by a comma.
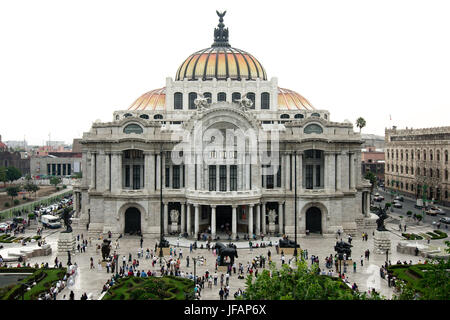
[[192, 97], [317, 176], [431, 155], [265, 100], [424, 155], [126, 115], [176, 177], [136, 177], [233, 178], [235, 96], [401, 169], [309, 177], [223, 178], [133, 128], [284, 116], [167, 177], [279, 177], [157, 116], [315, 114], [221, 96], [212, 178], [438, 155], [406, 155], [313, 128], [412, 155], [127, 176], [446, 156], [251, 96], [446, 174], [431, 173], [418, 155], [178, 100], [406, 170], [144, 116], [437, 173], [299, 116]]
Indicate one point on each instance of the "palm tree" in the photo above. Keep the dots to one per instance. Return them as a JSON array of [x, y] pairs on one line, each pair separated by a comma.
[[360, 123]]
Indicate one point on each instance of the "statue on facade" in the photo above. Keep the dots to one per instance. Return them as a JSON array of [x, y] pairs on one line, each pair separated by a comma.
[[245, 102], [174, 216], [201, 102], [272, 215]]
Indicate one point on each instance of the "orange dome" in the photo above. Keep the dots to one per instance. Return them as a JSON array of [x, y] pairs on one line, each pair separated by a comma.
[[291, 100]]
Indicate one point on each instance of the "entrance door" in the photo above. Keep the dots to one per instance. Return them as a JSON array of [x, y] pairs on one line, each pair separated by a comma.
[[314, 220], [223, 219], [132, 221]]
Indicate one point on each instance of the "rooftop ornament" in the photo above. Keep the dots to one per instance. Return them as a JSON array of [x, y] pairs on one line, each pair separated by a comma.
[[221, 33]]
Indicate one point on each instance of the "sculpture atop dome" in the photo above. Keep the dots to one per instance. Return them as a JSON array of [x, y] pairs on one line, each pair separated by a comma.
[[221, 33]]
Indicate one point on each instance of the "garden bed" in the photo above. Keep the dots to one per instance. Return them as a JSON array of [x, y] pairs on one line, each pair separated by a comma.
[[151, 288]]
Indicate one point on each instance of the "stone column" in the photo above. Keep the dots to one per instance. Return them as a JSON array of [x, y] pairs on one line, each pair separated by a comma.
[[183, 218], [299, 171], [170, 176], [166, 217], [151, 172], [258, 220], [92, 184], [263, 217], [147, 171], [234, 223], [352, 171], [158, 171], [213, 221], [163, 161], [196, 220], [287, 172], [250, 221], [107, 171], [339, 172], [188, 218], [367, 204], [280, 217]]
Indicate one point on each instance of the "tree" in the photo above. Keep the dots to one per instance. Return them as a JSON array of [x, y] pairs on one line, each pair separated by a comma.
[[55, 181], [360, 123], [13, 191], [12, 174], [300, 283], [3, 177], [372, 178], [31, 187]]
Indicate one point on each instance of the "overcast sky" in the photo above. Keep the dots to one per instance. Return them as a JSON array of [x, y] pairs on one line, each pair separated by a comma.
[[64, 64]]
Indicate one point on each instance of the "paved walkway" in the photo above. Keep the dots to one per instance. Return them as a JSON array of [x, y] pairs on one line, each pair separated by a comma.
[[92, 281]]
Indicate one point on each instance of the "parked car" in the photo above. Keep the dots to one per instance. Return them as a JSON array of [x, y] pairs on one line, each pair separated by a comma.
[[3, 227], [397, 204], [439, 210], [445, 220], [377, 199], [399, 198], [431, 212]]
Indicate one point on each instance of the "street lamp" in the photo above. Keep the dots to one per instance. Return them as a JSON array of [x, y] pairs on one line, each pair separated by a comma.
[[195, 276], [295, 204], [161, 254], [387, 255]]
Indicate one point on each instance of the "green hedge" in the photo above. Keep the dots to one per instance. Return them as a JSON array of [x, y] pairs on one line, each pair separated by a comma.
[[437, 234], [411, 236]]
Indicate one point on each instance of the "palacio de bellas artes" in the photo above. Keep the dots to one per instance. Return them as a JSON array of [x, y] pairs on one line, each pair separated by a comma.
[[222, 149]]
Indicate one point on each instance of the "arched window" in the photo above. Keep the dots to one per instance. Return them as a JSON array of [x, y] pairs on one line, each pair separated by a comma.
[[315, 114], [144, 116], [412, 155], [446, 156], [424, 155], [412, 170], [133, 128], [438, 155], [431, 173], [265, 100], [192, 97], [221, 96], [157, 116], [208, 96], [313, 128], [431, 155], [126, 115], [446, 174], [284, 116], [406, 169], [437, 173], [406, 154], [401, 169], [178, 100], [251, 96], [117, 117], [299, 116], [235, 96]]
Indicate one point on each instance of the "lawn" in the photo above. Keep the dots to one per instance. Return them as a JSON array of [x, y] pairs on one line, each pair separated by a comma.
[[44, 279], [151, 288]]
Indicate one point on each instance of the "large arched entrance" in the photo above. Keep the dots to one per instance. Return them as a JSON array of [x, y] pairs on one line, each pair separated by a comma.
[[132, 221], [314, 220]]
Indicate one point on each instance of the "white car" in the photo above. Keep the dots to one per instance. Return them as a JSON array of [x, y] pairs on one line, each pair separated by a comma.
[[438, 210], [397, 204]]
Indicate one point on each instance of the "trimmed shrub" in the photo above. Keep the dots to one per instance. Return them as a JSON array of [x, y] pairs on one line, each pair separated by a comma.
[[16, 202], [7, 204]]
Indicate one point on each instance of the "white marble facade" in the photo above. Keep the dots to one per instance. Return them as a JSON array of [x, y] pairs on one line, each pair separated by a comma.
[[210, 186]]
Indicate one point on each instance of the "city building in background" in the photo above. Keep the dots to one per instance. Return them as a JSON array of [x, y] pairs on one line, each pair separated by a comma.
[[417, 162], [372, 160]]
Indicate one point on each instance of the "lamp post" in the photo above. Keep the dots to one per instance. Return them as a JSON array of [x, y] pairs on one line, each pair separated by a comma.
[[161, 211], [195, 275], [387, 255], [295, 204]]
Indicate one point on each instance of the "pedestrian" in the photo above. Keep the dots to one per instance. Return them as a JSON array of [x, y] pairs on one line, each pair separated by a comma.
[[72, 296], [405, 227], [354, 266], [362, 261], [221, 293], [142, 240]]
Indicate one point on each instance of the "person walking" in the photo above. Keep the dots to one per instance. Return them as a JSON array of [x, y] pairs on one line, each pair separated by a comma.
[[72, 296], [221, 293], [354, 266], [362, 261]]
